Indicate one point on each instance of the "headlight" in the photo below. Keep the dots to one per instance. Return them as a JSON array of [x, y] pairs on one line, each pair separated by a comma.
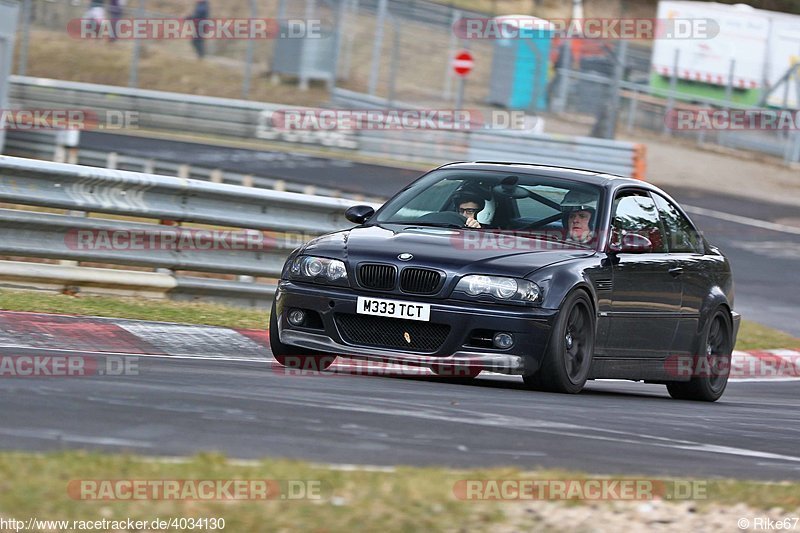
[[509, 289], [318, 269]]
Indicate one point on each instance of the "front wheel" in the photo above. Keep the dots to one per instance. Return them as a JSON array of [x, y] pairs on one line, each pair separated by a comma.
[[292, 356], [566, 363], [712, 365]]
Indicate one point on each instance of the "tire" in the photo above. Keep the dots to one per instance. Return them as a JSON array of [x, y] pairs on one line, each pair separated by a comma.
[[715, 348], [292, 356], [568, 359]]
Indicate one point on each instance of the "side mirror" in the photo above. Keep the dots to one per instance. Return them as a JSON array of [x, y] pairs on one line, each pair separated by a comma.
[[631, 243], [358, 214]]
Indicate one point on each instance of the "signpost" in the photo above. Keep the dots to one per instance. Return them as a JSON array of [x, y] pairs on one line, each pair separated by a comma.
[[463, 62]]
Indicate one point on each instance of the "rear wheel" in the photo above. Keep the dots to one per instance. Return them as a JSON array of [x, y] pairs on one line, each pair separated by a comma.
[[566, 363], [712, 364], [292, 356]]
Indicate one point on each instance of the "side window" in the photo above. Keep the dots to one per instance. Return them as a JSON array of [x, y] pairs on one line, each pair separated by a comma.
[[635, 212], [681, 236], [534, 210]]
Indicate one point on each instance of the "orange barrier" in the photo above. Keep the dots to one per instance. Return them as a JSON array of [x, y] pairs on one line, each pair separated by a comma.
[[640, 161]]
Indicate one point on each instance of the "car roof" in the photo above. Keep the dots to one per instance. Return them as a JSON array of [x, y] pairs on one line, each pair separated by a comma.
[[603, 179]]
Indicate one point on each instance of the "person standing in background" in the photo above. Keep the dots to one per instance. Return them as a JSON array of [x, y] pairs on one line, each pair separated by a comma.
[[114, 14], [201, 11], [96, 14]]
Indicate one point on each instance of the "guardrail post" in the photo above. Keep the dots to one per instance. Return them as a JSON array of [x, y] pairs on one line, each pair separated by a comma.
[[279, 185], [184, 171], [216, 176], [247, 180], [60, 153], [111, 160], [149, 166]]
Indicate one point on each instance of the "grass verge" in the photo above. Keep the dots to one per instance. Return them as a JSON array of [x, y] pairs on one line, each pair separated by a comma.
[[752, 336], [134, 308], [405, 499]]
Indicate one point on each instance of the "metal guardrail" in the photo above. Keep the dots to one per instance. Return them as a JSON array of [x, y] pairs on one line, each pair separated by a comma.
[[616, 157], [164, 198], [166, 111], [159, 110], [47, 144]]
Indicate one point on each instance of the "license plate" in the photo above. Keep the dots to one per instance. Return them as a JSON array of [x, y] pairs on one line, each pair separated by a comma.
[[393, 308]]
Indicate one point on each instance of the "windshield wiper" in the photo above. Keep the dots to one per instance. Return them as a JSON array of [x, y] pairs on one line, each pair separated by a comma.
[[428, 224]]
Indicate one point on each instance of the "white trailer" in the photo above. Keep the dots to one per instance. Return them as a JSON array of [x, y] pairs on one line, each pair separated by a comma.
[[758, 45]]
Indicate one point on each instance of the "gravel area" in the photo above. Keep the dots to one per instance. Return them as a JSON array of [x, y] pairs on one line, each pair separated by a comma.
[[611, 517]]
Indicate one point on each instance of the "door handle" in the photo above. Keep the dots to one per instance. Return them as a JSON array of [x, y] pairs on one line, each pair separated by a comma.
[[675, 272]]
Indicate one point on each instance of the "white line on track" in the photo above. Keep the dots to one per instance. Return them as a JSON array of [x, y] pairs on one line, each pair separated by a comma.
[[738, 219]]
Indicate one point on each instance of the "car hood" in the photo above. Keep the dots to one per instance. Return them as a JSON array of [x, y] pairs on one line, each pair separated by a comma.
[[454, 250]]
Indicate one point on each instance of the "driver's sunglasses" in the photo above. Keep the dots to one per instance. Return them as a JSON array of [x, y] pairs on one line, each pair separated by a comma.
[[469, 210]]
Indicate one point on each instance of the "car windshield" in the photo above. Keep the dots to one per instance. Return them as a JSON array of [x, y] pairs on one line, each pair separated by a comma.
[[502, 201]]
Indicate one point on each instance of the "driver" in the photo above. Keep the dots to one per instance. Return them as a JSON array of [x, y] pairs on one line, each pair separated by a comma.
[[469, 204]]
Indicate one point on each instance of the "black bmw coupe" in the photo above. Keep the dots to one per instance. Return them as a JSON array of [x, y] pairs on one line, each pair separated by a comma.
[[555, 274]]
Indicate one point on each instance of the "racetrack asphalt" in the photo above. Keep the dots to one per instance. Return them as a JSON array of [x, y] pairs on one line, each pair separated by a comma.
[[248, 409]]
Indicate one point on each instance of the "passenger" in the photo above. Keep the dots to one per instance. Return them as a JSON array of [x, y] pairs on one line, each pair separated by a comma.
[[579, 225], [579, 209]]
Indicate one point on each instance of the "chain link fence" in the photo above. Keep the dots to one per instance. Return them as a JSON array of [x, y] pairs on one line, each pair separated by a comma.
[[400, 53]]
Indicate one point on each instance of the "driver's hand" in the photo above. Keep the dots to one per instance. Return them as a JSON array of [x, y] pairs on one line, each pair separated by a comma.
[[472, 223]]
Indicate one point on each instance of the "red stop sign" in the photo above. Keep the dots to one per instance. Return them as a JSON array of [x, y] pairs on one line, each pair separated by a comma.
[[463, 63]]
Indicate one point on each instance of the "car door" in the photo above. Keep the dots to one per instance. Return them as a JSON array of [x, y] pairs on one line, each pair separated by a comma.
[[646, 297], [687, 258]]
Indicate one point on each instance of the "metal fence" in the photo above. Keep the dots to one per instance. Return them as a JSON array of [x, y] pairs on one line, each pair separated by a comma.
[[158, 110], [365, 41], [392, 51], [595, 102], [287, 218]]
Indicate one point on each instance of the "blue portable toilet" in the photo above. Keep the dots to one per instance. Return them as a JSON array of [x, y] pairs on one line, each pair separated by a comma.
[[521, 63]]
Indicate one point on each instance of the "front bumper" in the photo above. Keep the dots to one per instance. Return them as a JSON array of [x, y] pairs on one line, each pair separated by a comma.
[[530, 328]]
